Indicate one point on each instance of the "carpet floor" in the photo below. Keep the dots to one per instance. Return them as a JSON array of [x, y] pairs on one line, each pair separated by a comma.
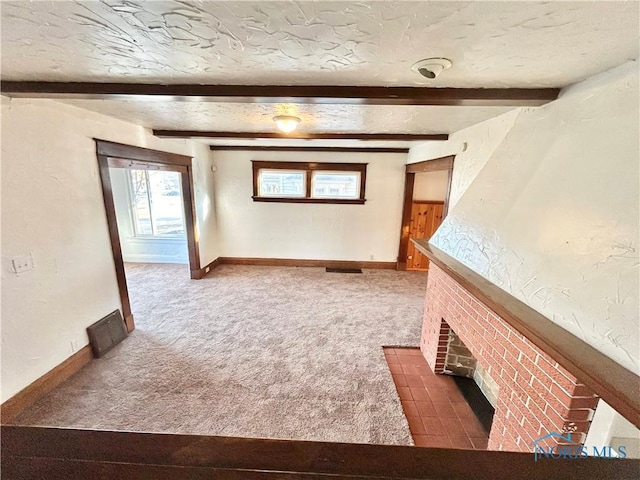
[[272, 352]]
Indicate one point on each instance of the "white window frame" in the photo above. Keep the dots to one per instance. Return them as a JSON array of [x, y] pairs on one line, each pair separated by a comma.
[[281, 171], [335, 172], [134, 216]]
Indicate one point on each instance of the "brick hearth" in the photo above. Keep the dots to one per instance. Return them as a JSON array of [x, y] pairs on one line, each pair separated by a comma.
[[536, 395]]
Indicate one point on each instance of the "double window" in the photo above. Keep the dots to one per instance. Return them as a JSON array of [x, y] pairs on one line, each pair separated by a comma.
[[308, 182]]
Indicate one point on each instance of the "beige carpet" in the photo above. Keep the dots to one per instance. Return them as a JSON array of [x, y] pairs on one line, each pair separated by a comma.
[[251, 351]]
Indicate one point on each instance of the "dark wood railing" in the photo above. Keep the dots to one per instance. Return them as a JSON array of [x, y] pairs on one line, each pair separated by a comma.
[[616, 385], [52, 453]]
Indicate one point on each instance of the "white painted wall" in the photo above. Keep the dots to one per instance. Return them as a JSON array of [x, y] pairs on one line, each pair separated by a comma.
[[430, 185], [53, 209], [310, 231], [610, 428], [552, 213], [432, 149], [472, 147], [140, 248], [205, 203]]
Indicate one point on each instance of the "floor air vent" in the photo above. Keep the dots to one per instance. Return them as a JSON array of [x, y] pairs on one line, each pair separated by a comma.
[[344, 270], [106, 333]]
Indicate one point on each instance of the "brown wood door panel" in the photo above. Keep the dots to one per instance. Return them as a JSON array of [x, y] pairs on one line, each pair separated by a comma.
[[424, 224], [426, 217], [411, 252], [415, 221]]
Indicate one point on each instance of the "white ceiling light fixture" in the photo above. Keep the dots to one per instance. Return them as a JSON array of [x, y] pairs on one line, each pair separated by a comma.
[[431, 67], [286, 123]]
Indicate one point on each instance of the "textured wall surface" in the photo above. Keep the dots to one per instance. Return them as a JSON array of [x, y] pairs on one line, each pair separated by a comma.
[[481, 140], [552, 217], [472, 148], [493, 44], [310, 231], [52, 208]]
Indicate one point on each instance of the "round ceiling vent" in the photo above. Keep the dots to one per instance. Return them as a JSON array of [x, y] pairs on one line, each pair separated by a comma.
[[431, 67]]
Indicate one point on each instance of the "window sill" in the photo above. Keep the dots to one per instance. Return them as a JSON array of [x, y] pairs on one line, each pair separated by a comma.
[[144, 239], [340, 201]]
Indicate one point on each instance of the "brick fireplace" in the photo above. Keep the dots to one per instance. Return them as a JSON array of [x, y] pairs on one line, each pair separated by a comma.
[[534, 395]]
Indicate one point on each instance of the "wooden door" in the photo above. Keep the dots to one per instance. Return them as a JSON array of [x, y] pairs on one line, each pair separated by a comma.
[[426, 217]]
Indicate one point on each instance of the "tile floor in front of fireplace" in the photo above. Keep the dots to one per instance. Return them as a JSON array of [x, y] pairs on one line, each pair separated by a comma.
[[437, 412]]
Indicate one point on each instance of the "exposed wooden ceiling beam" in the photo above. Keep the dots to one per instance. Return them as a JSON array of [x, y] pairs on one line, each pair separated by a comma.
[[401, 137], [303, 94], [309, 149]]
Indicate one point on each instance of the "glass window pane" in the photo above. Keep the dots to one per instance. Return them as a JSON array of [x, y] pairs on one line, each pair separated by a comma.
[[335, 185], [167, 209], [281, 183], [140, 203]]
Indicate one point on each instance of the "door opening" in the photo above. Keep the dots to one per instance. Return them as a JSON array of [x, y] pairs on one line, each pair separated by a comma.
[[150, 215], [426, 201], [160, 206]]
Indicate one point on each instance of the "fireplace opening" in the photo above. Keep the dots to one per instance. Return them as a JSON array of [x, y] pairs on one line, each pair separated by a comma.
[[475, 382]]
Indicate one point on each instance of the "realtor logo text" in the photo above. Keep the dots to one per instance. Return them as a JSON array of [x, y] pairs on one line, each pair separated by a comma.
[[574, 451]]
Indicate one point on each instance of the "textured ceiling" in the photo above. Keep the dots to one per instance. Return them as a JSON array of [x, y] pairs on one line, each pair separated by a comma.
[[276, 142], [238, 117], [492, 44]]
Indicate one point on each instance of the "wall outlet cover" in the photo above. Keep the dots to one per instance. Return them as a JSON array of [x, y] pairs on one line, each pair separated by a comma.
[[22, 263]]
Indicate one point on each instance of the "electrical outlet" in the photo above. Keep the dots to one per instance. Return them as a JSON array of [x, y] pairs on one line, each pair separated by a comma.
[[22, 263], [206, 270]]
